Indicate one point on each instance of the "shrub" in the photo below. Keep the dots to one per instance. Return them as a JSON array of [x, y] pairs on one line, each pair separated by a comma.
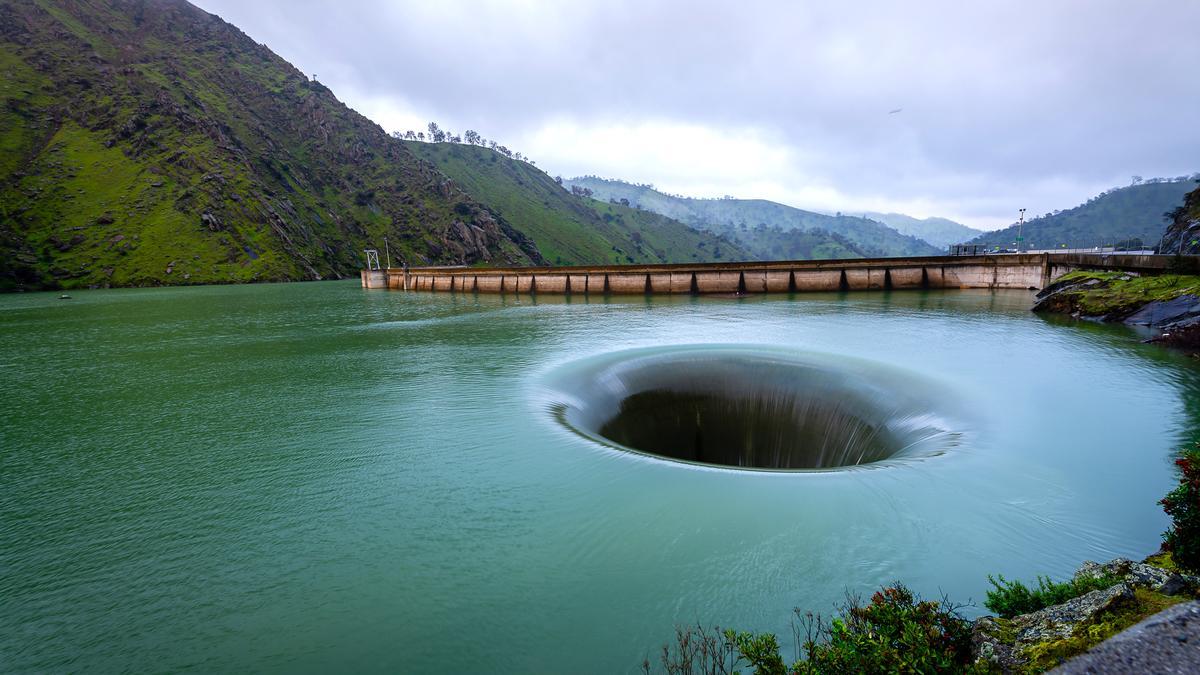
[[1183, 505], [1010, 598], [894, 633]]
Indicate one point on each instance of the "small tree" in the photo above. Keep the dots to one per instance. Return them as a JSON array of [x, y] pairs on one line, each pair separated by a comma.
[[1183, 505]]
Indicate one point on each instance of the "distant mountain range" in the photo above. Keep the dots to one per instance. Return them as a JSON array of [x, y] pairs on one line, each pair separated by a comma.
[[940, 232], [1135, 214], [764, 226]]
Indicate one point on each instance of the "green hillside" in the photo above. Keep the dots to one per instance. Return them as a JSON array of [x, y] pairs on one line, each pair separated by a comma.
[[728, 216], [567, 229], [147, 142], [940, 232], [1135, 212], [776, 243]]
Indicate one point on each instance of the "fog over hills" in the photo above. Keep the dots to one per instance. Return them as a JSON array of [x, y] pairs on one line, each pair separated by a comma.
[[940, 232], [732, 216]]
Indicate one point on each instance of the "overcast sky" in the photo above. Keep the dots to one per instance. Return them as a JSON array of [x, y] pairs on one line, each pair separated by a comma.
[[1003, 104]]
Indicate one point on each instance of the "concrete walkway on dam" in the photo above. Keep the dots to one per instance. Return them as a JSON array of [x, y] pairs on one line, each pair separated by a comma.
[[1017, 270]]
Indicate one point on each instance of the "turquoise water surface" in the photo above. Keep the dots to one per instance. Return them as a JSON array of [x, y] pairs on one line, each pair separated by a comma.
[[315, 477]]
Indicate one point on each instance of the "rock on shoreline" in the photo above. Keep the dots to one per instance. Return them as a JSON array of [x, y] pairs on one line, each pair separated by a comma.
[[1169, 304], [1044, 638]]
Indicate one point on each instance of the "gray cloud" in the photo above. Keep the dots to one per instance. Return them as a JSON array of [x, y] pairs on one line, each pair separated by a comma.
[[1005, 104]]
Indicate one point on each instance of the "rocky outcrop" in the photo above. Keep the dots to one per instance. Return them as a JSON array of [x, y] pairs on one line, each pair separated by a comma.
[[1168, 642], [1007, 644], [1163, 313], [1064, 295], [1141, 574], [1169, 304]]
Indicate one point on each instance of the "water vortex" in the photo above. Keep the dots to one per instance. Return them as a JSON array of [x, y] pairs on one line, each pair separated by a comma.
[[755, 408]]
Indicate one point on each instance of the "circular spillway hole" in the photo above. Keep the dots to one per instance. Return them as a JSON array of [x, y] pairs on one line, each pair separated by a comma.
[[755, 409]]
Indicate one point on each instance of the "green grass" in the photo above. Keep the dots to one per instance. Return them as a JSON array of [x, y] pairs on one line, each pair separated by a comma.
[[1010, 598], [1117, 293]]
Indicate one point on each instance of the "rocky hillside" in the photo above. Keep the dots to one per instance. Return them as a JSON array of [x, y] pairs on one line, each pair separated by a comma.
[[1183, 228], [147, 142], [568, 229], [733, 217], [1133, 215]]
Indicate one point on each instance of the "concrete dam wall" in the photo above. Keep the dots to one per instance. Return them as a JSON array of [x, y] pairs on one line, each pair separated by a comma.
[[1023, 271]]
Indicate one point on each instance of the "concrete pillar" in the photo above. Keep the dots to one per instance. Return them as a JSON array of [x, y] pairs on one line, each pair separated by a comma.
[[660, 284], [597, 284], [681, 282], [816, 280], [754, 281], [777, 281], [717, 282], [551, 283], [906, 277], [626, 283]]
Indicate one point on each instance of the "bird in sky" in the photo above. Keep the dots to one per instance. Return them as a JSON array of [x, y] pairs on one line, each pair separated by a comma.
[[893, 112]]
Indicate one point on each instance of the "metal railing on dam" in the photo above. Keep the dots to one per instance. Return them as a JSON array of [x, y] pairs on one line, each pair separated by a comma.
[[1017, 270]]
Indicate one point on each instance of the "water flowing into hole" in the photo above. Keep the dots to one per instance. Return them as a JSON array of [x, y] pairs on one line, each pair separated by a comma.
[[755, 408]]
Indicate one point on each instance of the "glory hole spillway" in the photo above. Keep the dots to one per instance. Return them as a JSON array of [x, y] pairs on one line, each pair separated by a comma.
[[756, 408], [321, 477]]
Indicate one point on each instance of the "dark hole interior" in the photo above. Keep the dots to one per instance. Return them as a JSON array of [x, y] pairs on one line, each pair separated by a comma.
[[755, 408], [768, 429]]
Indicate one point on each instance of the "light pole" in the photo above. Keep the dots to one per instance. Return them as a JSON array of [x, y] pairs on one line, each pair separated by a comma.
[[387, 253], [1020, 231]]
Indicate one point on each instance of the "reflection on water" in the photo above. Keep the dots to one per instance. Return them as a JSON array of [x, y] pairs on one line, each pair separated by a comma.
[[317, 477]]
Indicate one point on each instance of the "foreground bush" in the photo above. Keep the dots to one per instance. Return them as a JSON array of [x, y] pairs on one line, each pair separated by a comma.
[[1183, 505], [1010, 598], [895, 632]]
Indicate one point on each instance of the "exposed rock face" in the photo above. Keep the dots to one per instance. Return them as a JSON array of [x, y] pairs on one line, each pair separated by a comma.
[[1168, 642], [1005, 643], [1163, 313], [1059, 621], [1062, 297], [1141, 574]]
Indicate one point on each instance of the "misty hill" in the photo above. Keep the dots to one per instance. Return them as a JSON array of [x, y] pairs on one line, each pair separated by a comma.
[[1133, 212], [940, 232], [733, 216], [568, 229]]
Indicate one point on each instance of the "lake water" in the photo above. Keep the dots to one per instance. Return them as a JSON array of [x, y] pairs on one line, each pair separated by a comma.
[[314, 477]]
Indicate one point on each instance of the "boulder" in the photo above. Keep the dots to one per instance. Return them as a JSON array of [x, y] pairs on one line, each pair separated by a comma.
[[989, 647], [1162, 312], [1140, 575], [1164, 643], [1058, 622]]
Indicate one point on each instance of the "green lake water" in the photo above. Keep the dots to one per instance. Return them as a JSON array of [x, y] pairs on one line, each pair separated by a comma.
[[314, 477]]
